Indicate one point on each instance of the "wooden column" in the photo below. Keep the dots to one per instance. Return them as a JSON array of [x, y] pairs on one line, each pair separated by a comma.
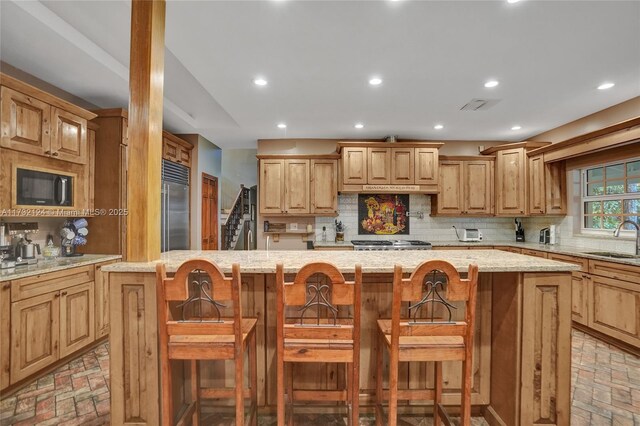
[[146, 80]]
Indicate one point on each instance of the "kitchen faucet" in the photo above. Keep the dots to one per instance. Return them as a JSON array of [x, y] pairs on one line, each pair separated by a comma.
[[616, 233]]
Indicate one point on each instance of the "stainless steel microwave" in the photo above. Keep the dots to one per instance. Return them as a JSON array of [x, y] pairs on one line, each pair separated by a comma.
[[41, 188]]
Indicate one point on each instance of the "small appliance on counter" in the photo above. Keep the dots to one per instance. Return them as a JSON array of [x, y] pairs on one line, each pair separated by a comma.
[[24, 251], [469, 235], [545, 236], [519, 231], [73, 234], [553, 237]]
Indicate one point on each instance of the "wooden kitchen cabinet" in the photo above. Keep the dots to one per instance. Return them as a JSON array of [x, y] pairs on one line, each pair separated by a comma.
[[77, 318], [25, 123], [101, 296], [296, 188], [175, 149], [537, 202], [354, 166], [450, 199], [511, 183], [466, 187], [68, 137], [5, 333], [402, 166], [536, 253], [35, 331], [556, 188], [615, 308], [271, 184], [426, 166], [579, 287], [378, 166], [324, 186]]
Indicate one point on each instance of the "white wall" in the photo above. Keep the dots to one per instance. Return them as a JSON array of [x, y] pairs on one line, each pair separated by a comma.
[[239, 166]]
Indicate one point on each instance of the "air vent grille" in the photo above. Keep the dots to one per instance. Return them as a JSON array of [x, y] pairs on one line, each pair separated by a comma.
[[479, 104]]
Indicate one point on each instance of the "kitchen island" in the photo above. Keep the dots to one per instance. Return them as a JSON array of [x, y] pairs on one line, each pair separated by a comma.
[[522, 362]]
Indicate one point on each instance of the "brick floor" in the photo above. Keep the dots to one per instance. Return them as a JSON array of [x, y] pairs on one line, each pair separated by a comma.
[[605, 391]]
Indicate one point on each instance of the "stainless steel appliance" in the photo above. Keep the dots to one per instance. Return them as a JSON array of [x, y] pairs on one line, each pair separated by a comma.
[[23, 251], [40, 188], [390, 245], [174, 207], [26, 249], [545, 236]]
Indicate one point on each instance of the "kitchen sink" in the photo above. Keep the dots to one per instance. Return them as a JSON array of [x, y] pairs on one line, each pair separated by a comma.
[[613, 255]]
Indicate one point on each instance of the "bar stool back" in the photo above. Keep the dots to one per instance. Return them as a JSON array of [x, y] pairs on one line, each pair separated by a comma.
[[191, 327], [412, 337], [317, 333]]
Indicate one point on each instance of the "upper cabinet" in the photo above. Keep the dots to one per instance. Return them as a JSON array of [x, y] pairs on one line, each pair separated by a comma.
[[536, 185], [406, 167], [298, 185], [466, 187], [511, 182], [556, 187], [35, 122], [175, 149]]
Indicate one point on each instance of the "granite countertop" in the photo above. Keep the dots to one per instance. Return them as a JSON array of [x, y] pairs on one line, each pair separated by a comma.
[[260, 262], [61, 263], [559, 249]]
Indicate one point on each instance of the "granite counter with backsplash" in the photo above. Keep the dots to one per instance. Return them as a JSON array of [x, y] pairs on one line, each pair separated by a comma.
[[45, 266]]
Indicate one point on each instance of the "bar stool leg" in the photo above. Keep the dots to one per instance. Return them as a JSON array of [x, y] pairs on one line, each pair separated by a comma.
[[355, 394], [253, 372], [379, 355], [239, 389], [280, 390], [393, 389], [195, 390], [437, 374], [465, 410], [290, 393]]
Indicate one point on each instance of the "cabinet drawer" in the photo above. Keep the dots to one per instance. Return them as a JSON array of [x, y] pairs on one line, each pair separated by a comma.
[[580, 261], [510, 249], [617, 271], [50, 282], [535, 253]]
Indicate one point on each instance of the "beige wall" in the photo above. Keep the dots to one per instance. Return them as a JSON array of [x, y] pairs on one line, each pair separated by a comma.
[[596, 121], [239, 166]]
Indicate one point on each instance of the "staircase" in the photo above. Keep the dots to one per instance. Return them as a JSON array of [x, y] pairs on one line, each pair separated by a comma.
[[234, 223]]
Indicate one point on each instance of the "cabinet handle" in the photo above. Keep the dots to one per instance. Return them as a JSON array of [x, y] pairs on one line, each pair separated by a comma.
[[47, 152], [64, 293], [55, 154], [55, 296], [7, 286]]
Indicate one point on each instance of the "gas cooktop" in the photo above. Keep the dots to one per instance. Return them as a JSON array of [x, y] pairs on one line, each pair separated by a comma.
[[390, 245]]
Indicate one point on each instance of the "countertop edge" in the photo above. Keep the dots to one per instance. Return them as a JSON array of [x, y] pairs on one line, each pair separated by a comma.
[[95, 258]]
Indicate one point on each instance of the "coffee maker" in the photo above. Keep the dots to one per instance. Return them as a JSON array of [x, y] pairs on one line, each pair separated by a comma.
[[23, 251]]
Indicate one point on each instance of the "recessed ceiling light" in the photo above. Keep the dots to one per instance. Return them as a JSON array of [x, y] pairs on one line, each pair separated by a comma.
[[358, 125], [375, 81], [260, 81], [438, 127], [513, 1], [516, 127], [282, 126], [605, 86], [491, 83]]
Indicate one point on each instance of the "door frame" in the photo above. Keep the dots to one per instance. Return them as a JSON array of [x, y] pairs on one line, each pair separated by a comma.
[[207, 177]]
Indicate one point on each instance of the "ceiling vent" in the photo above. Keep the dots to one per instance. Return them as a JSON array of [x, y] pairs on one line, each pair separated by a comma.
[[479, 104]]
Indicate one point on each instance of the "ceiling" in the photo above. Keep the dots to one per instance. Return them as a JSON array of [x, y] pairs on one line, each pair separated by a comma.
[[318, 56]]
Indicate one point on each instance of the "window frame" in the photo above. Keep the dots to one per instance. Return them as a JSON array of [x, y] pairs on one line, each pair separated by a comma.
[[584, 198]]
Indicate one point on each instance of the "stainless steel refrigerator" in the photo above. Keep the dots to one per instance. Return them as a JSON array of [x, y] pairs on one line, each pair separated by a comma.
[[175, 207]]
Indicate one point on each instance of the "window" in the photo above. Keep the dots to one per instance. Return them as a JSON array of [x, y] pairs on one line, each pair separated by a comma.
[[610, 195]]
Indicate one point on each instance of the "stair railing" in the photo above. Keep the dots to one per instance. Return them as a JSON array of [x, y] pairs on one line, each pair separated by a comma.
[[232, 226]]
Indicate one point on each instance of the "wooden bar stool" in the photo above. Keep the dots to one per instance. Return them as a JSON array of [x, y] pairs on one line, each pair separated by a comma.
[[202, 333], [317, 333], [414, 337]]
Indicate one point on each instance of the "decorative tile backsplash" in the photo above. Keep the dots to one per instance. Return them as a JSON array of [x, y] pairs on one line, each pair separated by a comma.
[[494, 229]]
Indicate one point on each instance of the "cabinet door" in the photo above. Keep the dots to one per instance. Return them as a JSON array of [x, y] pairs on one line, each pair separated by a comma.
[[510, 182], [536, 185], [68, 137], [579, 287], [324, 186], [271, 186], [426, 167], [124, 172], [5, 333], [77, 318], [296, 190], [184, 156], [101, 295], [379, 166], [402, 166], [25, 123], [615, 308], [354, 166], [35, 326], [170, 150], [478, 187], [556, 188], [450, 196]]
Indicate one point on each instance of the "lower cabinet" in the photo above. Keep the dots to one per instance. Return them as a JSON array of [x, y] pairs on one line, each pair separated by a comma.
[[35, 334], [615, 309], [579, 287], [48, 317]]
